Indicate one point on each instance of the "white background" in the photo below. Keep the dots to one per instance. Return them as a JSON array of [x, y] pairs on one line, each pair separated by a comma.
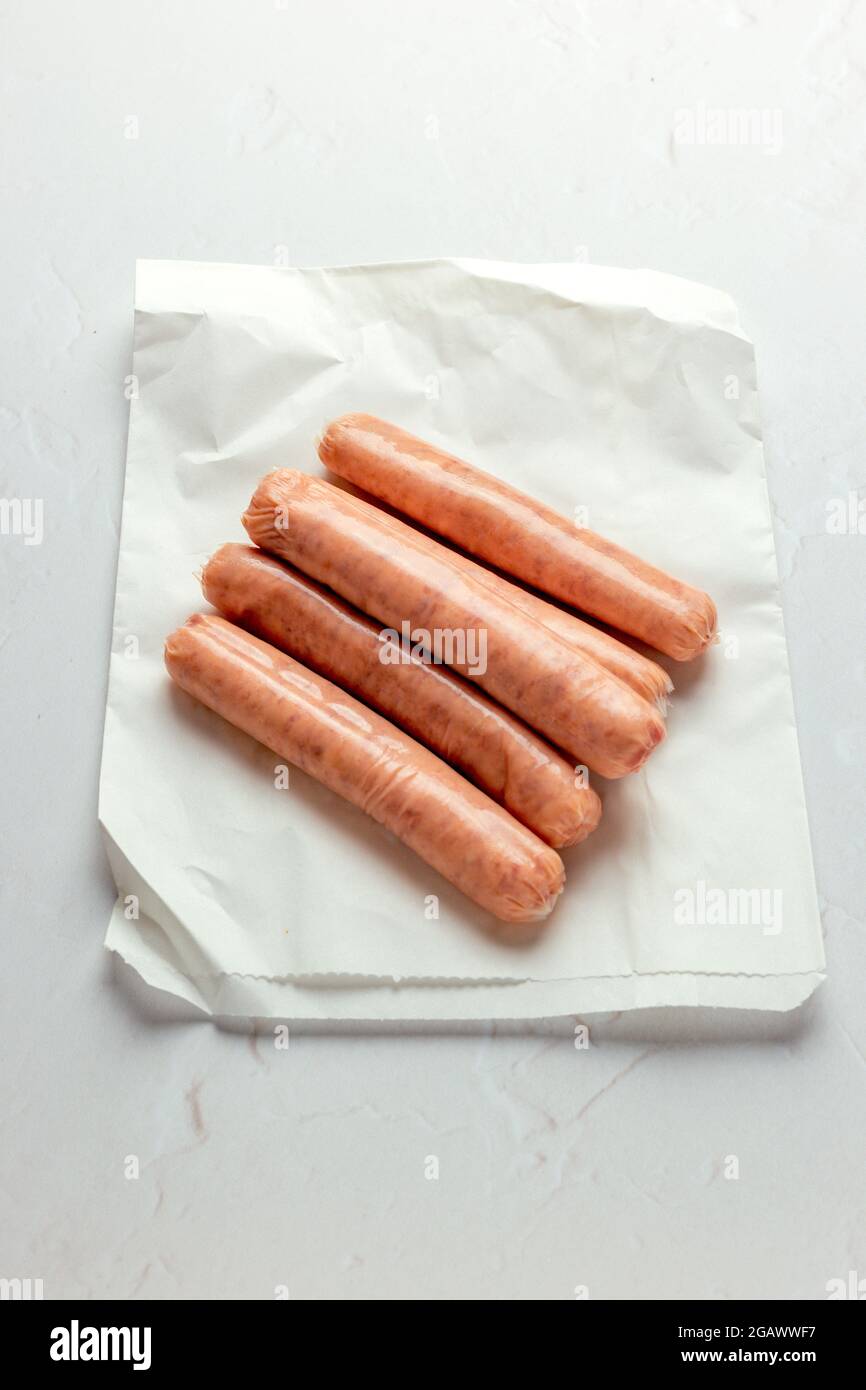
[[346, 133]]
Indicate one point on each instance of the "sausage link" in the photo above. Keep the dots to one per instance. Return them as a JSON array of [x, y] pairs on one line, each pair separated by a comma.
[[519, 534], [308, 721], [487, 744], [397, 575]]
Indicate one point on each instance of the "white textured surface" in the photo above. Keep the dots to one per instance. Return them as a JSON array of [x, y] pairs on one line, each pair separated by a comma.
[[347, 133]]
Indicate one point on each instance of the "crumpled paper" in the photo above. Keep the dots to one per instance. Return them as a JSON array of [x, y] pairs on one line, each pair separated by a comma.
[[626, 399]]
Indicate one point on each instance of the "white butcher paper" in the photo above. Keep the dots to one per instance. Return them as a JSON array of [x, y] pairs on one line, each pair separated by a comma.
[[624, 399]]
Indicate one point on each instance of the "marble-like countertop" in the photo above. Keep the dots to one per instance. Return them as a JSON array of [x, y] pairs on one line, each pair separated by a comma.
[[146, 1152]]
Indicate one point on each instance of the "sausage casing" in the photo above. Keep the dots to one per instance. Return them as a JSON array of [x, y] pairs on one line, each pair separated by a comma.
[[308, 721], [399, 576], [643, 675], [520, 535], [509, 761]]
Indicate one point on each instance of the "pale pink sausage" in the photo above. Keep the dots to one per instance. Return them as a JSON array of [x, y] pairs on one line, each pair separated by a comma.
[[308, 721], [519, 535], [504, 757], [398, 576]]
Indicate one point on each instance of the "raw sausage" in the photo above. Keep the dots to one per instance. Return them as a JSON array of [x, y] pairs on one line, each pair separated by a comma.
[[452, 825], [519, 535], [410, 582], [392, 572], [433, 704], [500, 754]]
